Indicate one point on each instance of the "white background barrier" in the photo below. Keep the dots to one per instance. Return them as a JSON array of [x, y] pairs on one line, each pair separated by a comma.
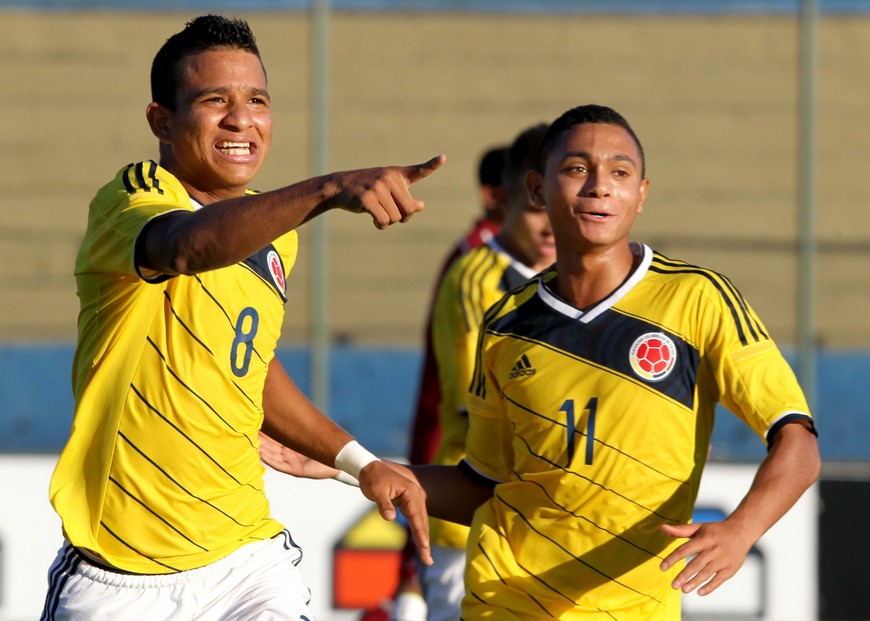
[[777, 583]]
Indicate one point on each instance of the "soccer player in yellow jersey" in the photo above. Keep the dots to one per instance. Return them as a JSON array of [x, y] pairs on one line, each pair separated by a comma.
[[592, 405], [523, 247], [181, 279]]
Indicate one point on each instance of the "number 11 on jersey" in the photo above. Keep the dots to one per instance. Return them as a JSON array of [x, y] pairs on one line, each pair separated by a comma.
[[568, 408]]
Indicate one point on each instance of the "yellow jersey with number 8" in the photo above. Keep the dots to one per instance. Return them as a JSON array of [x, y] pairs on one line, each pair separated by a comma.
[[162, 471]]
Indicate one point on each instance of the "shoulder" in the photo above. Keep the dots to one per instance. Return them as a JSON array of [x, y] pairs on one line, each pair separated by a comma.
[[144, 181], [515, 299], [472, 266], [150, 178], [677, 273], [710, 294]]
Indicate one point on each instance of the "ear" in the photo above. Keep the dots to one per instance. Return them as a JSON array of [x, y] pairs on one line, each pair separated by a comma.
[[534, 184], [160, 119], [644, 190]]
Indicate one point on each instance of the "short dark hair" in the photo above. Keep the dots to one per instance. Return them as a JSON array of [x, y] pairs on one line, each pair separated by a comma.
[[591, 113], [522, 155], [199, 35], [491, 165]]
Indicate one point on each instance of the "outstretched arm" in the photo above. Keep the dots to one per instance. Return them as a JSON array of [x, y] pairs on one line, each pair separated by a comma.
[[292, 420], [791, 466], [226, 232]]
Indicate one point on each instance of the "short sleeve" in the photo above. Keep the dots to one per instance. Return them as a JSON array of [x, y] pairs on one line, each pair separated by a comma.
[[120, 210], [754, 381]]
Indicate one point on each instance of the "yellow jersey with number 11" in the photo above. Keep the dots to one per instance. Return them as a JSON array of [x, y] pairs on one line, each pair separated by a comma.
[[595, 425]]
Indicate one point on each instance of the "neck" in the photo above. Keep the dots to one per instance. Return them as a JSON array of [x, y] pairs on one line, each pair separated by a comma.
[[196, 187], [585, 278]]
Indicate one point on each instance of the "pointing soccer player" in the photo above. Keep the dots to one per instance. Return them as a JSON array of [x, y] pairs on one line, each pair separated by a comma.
[[181, 279]]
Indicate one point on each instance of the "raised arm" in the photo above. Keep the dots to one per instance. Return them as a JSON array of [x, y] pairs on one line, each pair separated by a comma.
[[791, 466], [228, 231]]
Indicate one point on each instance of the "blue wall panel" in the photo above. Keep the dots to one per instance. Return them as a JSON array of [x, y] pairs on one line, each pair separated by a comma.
[[373, 395]]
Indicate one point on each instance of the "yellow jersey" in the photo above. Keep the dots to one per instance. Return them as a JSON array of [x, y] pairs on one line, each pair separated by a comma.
[[471, 285], [595, 427], [162, 471]]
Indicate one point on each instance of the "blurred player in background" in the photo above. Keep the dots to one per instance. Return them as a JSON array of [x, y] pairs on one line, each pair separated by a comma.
[[408, 603], [474, 282], [425, 429], [181, 279], [592, 404]]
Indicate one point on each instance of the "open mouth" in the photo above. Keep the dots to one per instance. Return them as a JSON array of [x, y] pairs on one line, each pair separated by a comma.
[[234, 148], [597, 215]]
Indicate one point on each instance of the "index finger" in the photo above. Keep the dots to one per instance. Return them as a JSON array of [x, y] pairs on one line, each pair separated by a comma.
[[418, 524], [420, 532], [421, 171]]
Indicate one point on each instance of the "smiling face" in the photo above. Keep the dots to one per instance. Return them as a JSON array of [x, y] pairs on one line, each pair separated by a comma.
[[592, 186], [217, 137]]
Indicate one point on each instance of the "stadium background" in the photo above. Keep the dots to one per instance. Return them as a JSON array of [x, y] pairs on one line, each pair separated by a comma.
[[711, 88]]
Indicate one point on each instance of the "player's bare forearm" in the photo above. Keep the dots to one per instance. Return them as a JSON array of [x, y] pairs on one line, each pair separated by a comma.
[[230, 230], [450, 495], [791, 466], [719, 549], [291, 419]]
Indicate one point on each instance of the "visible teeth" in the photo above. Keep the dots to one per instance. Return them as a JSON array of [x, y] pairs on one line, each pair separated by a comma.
[[235, 148]]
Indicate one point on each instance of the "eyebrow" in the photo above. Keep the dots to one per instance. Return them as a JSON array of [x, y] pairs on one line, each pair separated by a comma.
[[622, 157], [222, 90]]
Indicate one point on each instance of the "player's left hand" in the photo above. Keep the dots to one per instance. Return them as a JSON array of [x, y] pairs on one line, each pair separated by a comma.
[[386, 487], [286, 460], [718, 548]]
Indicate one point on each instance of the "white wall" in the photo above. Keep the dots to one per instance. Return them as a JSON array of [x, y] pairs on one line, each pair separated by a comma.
[[782, 580]]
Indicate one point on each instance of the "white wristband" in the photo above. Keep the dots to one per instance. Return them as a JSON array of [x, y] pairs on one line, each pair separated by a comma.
[[352, 458], [345, 478]]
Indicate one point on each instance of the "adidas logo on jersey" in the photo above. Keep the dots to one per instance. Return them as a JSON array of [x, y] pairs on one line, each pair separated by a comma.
[[522, 367]]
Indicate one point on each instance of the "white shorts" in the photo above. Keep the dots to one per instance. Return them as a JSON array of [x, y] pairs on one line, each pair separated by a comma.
[[444, 583], [259, 581]]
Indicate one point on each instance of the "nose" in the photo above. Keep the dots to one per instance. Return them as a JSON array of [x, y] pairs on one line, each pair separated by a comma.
[[238, 115], [596, 184]]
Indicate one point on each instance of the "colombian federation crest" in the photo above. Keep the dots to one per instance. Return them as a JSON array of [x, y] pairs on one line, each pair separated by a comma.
[[653, 356], [276, 270]]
